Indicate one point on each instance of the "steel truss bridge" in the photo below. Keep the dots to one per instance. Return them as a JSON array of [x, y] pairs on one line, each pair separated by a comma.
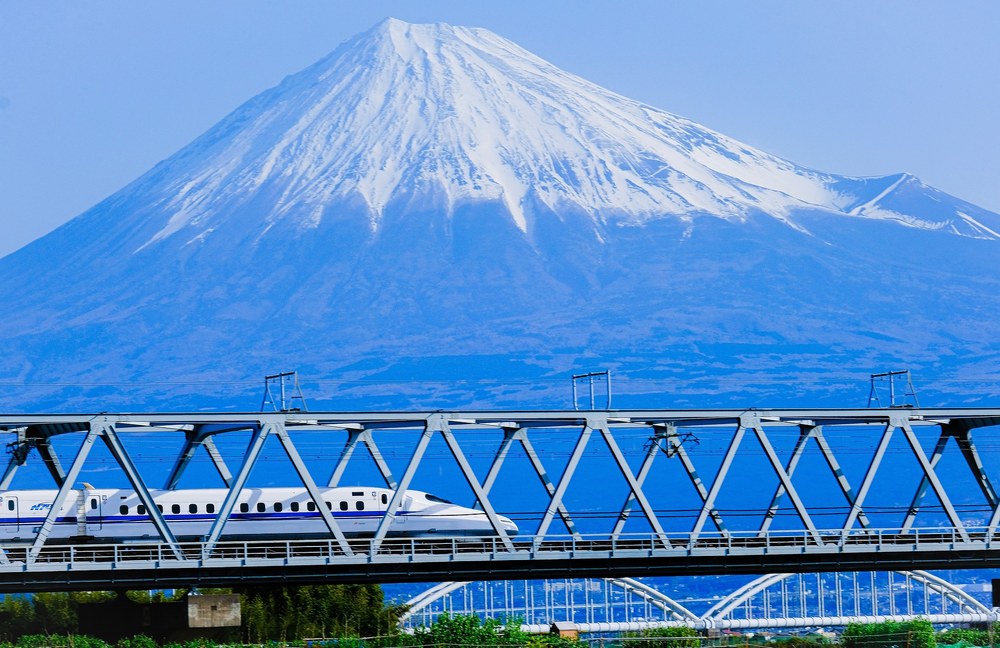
[[570, 529], [768, 602]]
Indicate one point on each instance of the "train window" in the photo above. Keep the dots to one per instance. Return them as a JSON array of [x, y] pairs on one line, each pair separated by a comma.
[[277, 507], [244, 508], [343, 506], [357, 493], [210, 508], [10, 505], [141, 509], [435, 498], [359, 505], [160, 506], [176, 508], [123, 509], [261, 506], [93, 503], [385, 498], [310, 506], [329, 505], [193, 508], [294, 506]]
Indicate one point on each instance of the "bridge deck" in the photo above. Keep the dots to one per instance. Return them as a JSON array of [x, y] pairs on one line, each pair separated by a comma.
[[153, 565]]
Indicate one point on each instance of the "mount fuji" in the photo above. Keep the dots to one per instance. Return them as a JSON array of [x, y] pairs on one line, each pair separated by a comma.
[[431, 216]]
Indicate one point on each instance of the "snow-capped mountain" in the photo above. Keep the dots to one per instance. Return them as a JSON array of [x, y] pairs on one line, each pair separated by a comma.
[[434, 202]]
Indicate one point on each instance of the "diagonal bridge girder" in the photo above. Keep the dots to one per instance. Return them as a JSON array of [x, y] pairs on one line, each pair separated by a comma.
[[465, 432]]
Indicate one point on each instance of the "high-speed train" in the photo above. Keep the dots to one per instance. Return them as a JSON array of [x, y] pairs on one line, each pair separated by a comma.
[[259, 513]]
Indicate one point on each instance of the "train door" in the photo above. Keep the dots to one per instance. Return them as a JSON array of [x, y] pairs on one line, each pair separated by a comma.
[[9, 513], [95, 520]]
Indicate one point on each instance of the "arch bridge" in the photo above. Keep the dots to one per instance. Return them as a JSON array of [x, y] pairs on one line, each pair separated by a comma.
[[771, 602]]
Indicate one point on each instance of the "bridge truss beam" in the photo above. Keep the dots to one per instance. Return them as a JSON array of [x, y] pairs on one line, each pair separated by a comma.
[[732, 545]]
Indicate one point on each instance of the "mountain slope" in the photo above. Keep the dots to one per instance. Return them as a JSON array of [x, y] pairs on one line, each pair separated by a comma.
[[433, 202]]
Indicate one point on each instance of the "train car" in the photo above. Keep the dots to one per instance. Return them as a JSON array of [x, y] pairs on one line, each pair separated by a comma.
[[95, 514]]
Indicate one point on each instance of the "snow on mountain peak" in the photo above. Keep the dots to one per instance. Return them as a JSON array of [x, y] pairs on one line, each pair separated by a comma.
[[462, 114]]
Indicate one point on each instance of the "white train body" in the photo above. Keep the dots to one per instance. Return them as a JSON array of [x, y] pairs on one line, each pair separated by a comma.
[[264, 513]]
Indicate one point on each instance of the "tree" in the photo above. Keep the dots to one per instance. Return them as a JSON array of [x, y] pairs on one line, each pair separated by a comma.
[[285, 613], [890, 634]]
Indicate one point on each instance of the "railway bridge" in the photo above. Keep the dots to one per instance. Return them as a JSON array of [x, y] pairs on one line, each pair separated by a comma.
[[609, 493]]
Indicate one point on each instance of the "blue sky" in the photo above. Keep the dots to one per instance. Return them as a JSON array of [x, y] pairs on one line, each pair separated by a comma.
[[93, 94]]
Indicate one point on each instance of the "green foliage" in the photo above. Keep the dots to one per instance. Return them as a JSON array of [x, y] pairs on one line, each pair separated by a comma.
[[194, 643], [288, 613], [970, 636], [53, 613], [663, 638], [890, 634], [59, 641], [138, 641], [17, 617], [470, 630], [156, 596], [551, 641]]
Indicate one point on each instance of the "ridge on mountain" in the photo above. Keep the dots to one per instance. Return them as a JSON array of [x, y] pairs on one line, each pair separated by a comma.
[[425, 183], [462, 115]]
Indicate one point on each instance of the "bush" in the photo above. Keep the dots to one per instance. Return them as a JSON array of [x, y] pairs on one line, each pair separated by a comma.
[[663, 638], [470, 630], [138, 641], [194, 643], [969, 636], [59, 641], [890, 634]]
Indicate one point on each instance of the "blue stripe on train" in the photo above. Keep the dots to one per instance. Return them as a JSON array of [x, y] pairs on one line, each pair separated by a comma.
[[202, 517]]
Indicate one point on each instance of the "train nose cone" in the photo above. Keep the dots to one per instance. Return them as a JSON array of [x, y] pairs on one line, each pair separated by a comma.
[[508, 525]]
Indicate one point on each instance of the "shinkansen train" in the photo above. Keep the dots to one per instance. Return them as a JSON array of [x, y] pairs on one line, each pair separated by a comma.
[[259, 513]]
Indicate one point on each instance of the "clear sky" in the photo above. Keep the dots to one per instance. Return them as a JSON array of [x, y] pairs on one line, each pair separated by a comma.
[[93, 94]]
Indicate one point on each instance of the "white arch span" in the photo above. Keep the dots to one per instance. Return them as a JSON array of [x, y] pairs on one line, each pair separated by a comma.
[[724, 614]]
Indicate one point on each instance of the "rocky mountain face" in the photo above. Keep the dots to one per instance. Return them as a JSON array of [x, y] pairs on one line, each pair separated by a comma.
[[431, 216]]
